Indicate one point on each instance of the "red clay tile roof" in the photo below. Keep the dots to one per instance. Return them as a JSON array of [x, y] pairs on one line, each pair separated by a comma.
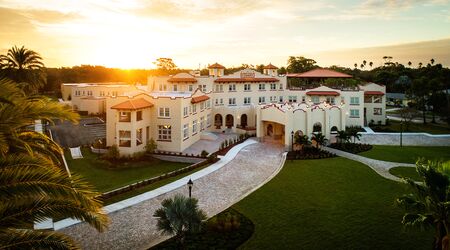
[[133, 104], [256, 79], [320, 73], [333, 93], [270, 66], [373, 93], [199, 99], [174, 79], [216, 66]]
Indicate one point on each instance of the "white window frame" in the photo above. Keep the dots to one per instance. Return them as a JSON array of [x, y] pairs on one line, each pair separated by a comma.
[[164, 132], [315, 99], [262, 100], [247, 100], [354, 113], [164, 112], [262, 86], [232, 101], [273, 86], [186, 131], [185, 111], [354, 100], [231, 87], [194, 127], [247, 87]]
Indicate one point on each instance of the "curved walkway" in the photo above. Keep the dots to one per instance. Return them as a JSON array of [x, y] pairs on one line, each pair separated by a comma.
[[380, 167], [134, 227]]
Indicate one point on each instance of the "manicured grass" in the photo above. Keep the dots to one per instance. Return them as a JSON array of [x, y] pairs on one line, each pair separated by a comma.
[[408, 172], [407, 154], [105, 179], [394, 126], [329, 204]]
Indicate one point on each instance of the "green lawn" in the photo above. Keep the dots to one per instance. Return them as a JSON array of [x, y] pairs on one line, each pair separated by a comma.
[[407, 154], [329, 204], [408, 172], [108, 179], [394, 126]]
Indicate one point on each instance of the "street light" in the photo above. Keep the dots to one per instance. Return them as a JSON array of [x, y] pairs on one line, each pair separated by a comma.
[[401, 133], [190, 184], [292, 141]]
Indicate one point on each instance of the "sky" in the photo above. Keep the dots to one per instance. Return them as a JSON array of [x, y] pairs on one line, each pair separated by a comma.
[[195, 33]]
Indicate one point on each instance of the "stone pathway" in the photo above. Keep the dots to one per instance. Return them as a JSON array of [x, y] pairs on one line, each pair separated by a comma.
[[134, 227], [380, 167]]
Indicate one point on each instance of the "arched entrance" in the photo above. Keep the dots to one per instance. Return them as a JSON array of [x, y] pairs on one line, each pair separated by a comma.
[[243, 121], [317, 127], [229, 121], [218, 122], [334, 130]]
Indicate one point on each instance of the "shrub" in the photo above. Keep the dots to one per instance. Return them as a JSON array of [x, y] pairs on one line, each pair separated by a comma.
[[151, 146], [113, 153], [204, 153]]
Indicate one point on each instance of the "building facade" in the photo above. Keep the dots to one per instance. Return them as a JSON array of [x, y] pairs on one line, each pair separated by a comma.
[[176, 111]]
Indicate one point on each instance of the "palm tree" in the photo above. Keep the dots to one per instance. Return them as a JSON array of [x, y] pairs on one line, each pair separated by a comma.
[[356, 65], [409, 63], [353, 133], [25, 67], [342, 136], [364, 62], [33, 183], [427, 205], [301, 140], [179, 216], [432, 61], [370, 64], [320, 139], [420, 65], [362, 66]]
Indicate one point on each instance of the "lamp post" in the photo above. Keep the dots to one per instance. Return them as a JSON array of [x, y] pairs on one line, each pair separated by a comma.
[[292, 141], [190, 184], [401, 133]]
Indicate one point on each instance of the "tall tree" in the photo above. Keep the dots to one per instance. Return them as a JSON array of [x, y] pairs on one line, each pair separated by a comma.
[[370, 64], [33, 186], [179, 216], [428, 204], [409, 63], [165, 64], [300, 64], [25, 67], [432, 61], [356, 65], [419, 91]]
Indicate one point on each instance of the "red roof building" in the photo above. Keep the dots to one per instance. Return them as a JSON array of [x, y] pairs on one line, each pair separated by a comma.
[[320, 73], [323, 93], [133, 104], [241, 80], [270, 66], [216, 66], [199, 99]]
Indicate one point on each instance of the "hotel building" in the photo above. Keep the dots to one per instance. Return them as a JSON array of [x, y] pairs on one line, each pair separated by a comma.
[[176, 111]]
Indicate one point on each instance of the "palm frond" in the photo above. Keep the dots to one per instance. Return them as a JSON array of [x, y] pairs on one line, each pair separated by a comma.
[[12, 239]]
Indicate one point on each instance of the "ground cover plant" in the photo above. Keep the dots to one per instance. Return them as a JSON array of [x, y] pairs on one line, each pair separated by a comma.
[[407, 154], [394, 126], [353, 148], [329, 204]]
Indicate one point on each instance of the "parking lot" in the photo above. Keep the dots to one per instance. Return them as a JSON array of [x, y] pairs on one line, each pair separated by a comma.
[[86, 132]]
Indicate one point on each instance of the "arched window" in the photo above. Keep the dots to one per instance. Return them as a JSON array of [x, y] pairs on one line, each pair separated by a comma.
[[243, 120], [317, 127], [218, 122], [334, 130], [229, 121]]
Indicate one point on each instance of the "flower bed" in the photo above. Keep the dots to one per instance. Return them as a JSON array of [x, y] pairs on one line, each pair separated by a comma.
[[228, 144], [227, 230], [308, 153], [353, 148]]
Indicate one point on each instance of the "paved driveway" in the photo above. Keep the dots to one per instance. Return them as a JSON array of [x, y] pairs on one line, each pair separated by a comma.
[[135, 228], [86, 132]]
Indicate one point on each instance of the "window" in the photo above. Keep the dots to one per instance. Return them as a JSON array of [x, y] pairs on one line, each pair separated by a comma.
[[164, 132], [185, 111], [208, 120], [138, 137], [164, 112], [315, 99], [292, 98], [247, 87], [231, 101], [273, 99], [139, 115], [247, 100], [273, 86], [303, 98], [331, 100], [191, 88], [102, 93], [125, 117], [147, 134], [185, 131], [281, 86], [203, 88], [194, 127], [89, 93], [202, 106], [194, 108], [367, 99], [377, 111], [208, 104], [377, 99], [232, 87], [202, 123], [262, 86], [219, 101], [124, 138], [354, 113], [175, 87], [219, 88], [262, 99], [354, 100]]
